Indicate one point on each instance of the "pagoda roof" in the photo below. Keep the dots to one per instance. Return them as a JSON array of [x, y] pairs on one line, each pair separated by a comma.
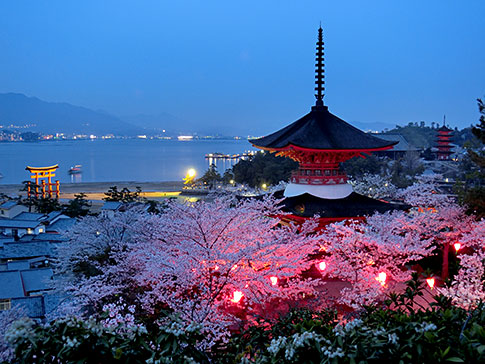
[[354, 205], [321, 130], [445, 128]]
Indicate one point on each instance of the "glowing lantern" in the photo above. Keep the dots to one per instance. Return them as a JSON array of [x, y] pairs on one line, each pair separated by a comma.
[[381, 278], [190, 176], [274, 280], [322, 266], [430, 282], [236, 296], [457, 246]]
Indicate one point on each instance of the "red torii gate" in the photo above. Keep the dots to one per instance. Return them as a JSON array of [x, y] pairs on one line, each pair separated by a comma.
[[41, 173]]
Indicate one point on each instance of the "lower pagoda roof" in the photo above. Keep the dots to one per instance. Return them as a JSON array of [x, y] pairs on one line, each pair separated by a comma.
[[321, 130], [354, 205]]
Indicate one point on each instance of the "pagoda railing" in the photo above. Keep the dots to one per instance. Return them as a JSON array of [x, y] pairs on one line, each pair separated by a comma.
[[318, 177]]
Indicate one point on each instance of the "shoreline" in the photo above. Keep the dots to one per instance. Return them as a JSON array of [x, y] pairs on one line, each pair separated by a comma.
[[96, 190]]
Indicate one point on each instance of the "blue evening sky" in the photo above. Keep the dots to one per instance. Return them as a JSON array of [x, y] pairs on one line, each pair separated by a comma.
[[249, 64]]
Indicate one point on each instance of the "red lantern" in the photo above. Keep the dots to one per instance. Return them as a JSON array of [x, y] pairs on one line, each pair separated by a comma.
[[457, 246], [322, 266], [274, 280], [430, 282], [236, 296], [381, 278]]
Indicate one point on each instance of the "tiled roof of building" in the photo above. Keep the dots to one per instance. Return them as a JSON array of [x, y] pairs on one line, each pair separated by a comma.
[[18, 224], [36, 279], [8, 204], [61, 225], [31, 249], [11, 285], [31, 216], [111, 205]]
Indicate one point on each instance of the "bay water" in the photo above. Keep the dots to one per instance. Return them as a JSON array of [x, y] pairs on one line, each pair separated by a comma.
[[116, 160]]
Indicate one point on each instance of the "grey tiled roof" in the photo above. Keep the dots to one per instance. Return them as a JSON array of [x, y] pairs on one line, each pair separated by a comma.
[[32, 216], [61, 225], [36, 279], [11, 285], [26, 249], [18, 265], [22, 224], [53, 237], [111, 205], [8, 204], [402, 145]]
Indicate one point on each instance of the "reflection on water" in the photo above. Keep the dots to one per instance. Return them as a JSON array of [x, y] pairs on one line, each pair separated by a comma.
[[142, 160], [76, 178], [222, 164]]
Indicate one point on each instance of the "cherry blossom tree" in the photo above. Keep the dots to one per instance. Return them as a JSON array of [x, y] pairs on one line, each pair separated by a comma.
[[206, 261], [93, 266], [467, 288], [436, 216], [371, 256], [375, 186]]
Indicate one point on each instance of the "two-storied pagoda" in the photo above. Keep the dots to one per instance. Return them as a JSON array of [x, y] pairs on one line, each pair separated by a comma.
[[320, 141]]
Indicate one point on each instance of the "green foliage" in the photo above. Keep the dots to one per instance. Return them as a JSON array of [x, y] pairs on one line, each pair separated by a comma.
[[210, 177], [78, 207], [399, 332], [46, 205], [421, 137], [357, 167], [87, 341], [471, 187], [125, 195], [263, 168]]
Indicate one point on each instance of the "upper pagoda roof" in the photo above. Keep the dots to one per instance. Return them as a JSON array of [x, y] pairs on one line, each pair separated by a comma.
[[322, 130], [445, 128]]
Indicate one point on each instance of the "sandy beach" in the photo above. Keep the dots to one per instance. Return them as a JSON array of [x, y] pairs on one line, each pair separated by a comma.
[[96, 190]]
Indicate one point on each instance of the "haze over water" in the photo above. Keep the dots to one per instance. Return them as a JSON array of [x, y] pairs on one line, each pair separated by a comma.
[[116, 160]]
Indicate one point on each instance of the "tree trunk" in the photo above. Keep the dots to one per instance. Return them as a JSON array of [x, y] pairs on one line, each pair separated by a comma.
[[444, 268]]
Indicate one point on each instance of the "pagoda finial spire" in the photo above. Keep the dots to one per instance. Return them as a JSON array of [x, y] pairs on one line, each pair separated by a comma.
[[319, 69]]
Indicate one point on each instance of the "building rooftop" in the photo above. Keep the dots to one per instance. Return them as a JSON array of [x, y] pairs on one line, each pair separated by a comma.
[[11, 286], [8, 204], [31, 216], [111, 205], [30, 249], [61, 225], [402, 144], [321, 130], [18, 224], [36, 279]]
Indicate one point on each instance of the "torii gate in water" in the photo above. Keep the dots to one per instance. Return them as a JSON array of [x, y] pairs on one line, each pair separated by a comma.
[[40, 173]]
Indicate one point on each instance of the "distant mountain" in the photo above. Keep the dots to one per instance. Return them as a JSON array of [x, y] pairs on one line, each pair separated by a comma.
[[373, 126], [163, 121], [174, 125], [54, 117]]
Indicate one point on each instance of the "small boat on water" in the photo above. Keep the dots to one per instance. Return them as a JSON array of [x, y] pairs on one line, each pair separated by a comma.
[[75, 170]]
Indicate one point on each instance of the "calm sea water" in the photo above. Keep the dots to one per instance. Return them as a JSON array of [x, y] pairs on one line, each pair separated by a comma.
[[116, 160]]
